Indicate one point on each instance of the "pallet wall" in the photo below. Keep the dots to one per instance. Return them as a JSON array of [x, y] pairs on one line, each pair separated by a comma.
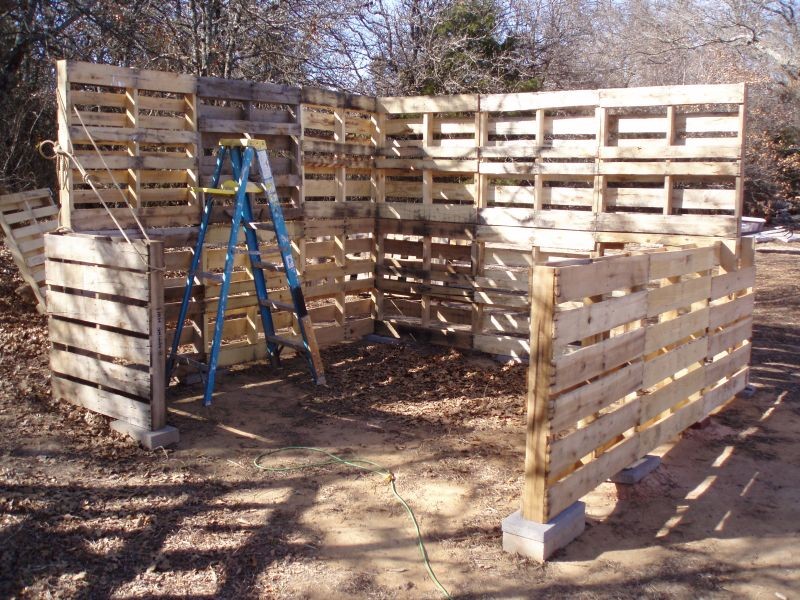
[[469, 184], [629, 351], [145, 125], [106, 320]]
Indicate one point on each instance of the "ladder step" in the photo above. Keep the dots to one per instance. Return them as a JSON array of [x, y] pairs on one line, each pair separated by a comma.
[[272, 267], [276, 305], [296, 344], [185, 360], [211, 276], [257, 253], [261, 226]]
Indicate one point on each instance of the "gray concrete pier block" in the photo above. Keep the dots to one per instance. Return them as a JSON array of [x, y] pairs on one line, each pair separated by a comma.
[[540, 540]]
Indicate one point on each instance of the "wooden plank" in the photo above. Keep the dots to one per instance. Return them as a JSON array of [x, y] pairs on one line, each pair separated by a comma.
[[428, 104], [232, 89], [571, 407], [538, 417], [102, 312], [728, 364], [92, 338], [722, 314], [123, 77], [582, 281], [676, 94], [504, 345], [249, 127], [663, 398], [734, 281], [96, 250], [583, 322], [674, 330], [93, 278], [729, 337], [595, 359], [568, 450], [108, 374], [102, 401], [677, 295], [667, 365], [681, 262], [157, 371]]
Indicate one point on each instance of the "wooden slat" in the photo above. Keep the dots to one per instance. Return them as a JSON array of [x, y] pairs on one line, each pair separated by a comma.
[[95, 310], [111, 343], [94, 370], [102, 401], [93, 278]]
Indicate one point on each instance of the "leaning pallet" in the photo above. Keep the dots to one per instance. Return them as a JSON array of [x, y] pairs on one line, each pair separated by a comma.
[[25, 217]]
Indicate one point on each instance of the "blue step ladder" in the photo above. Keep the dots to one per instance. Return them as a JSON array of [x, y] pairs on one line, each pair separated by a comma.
[[242, 153]]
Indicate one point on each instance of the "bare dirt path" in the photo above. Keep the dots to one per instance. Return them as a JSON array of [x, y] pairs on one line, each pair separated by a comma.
[[86, 514]]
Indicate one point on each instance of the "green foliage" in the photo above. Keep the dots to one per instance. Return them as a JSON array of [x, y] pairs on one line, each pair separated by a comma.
[[483, 58]]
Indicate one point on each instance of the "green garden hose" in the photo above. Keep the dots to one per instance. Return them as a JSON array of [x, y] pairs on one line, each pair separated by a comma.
[[364, 465]]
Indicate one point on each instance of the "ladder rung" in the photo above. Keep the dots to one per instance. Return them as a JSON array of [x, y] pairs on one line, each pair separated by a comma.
[[297, 345], [271, 267], [212, 276], [276, 305], [183, 359], [257, 253], [262, 226]]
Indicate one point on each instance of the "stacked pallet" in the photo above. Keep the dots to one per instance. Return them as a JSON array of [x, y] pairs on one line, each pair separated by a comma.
[[135, 133], [480, 180]]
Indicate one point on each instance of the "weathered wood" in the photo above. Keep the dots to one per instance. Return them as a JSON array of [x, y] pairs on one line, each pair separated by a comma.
[[538, 411]]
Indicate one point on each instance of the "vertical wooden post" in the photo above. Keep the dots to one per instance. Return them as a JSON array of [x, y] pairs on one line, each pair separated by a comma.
[[600, 183], [540, 371], [670, 140], [481, 201], [298, 193], [132, 122], [194, 151], [538, 190], [64, 111], [378, 189], [158, 407], [427, 200], [340, 136], [741, 139]]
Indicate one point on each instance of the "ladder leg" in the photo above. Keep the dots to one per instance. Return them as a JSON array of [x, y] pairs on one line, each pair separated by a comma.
[[236, 222], [304, 321]]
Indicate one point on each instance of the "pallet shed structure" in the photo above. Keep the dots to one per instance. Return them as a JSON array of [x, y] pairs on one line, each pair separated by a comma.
[[595, 232]]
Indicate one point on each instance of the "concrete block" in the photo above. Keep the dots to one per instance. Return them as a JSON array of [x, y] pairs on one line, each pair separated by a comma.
[[748, 392], [540, 540], [166, 436], [637, 471]]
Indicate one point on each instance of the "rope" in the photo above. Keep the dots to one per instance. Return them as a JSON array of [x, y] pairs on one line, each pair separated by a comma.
[[59, 154], [364, 465]]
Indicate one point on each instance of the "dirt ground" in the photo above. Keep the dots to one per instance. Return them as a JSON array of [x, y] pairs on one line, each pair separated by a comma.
[[85, 513]]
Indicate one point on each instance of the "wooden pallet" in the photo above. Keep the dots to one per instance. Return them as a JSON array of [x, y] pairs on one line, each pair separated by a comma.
[[106, 320], [627, 352], [25, 218]]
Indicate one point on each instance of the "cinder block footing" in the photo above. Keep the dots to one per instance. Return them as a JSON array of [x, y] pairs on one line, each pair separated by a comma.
[[540, 540], [748, 392], [637, 471], [166, 436]]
